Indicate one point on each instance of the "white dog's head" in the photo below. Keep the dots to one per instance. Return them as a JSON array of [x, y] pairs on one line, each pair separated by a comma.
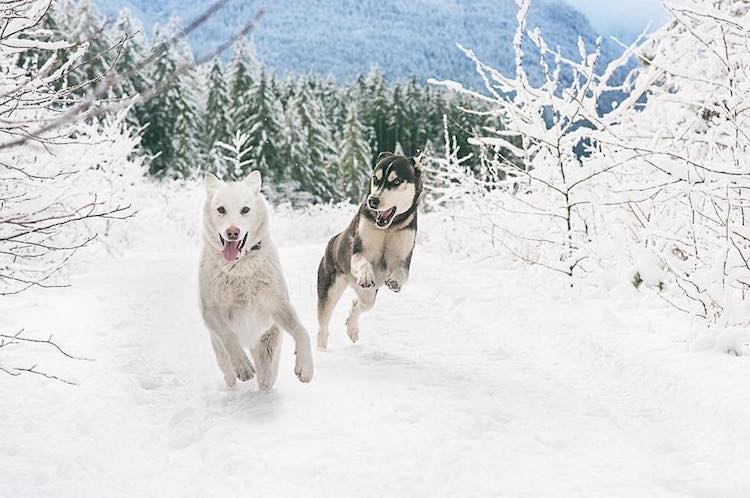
[[235, 216]]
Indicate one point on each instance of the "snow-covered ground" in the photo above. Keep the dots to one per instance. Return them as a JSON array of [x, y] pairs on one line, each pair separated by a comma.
[[483, 378]]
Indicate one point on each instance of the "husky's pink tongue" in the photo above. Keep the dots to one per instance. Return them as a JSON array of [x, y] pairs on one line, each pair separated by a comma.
[[231, 250]]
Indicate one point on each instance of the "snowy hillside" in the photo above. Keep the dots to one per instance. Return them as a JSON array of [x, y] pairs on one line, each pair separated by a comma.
[[402, 37], [549, 395]]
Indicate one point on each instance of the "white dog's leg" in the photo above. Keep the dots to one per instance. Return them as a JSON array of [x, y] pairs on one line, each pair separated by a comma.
[[266, 358], [287, 319], [241, 366], [326, 305], [222, 359], [364, 302]]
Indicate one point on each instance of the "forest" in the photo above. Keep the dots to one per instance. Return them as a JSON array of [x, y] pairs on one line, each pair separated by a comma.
[[314, 138]]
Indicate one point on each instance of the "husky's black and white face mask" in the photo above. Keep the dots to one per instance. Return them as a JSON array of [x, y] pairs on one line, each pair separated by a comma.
[[393, 187]]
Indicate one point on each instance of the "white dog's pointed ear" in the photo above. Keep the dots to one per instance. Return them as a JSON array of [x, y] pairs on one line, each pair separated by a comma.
[[254, 180], [211, 183]]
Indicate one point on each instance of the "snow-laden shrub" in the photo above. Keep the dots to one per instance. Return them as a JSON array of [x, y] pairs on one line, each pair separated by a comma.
[[681, 163], [62, 179], [537, 195]]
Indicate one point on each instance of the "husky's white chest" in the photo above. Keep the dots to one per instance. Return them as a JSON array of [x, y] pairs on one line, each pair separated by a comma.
[[384, 249]]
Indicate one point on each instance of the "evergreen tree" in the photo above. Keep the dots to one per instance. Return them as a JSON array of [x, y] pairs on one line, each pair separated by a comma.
[[217, 122], [171, 135], [83, 24], [375, 113], [313, 171], [240, 84], [354, 157], [132, 52], [235, 156], [263, 127]]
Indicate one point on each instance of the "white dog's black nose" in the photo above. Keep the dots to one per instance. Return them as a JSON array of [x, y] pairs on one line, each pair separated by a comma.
[[233, 233], [373, 202]]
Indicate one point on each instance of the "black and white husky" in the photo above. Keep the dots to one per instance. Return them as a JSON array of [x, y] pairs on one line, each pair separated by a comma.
[[376, 247]]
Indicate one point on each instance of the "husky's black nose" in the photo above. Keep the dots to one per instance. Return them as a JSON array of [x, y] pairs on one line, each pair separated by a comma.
[[233, 233], [373, 202]]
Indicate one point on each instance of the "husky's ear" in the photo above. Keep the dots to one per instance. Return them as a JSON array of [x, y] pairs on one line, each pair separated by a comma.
[[383, 155], [254, 181], [211, 183], [416, 161]]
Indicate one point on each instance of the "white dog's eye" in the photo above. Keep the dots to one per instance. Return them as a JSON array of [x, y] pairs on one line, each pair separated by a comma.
[[245, 210], [221, 210]]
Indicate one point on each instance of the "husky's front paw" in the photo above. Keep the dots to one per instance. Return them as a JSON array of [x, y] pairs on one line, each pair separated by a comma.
[[242, 367], [366, 279], [393, 284], [303, 367]]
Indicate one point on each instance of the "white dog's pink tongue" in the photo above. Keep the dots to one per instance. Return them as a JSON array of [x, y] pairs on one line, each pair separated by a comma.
[[231, 250]]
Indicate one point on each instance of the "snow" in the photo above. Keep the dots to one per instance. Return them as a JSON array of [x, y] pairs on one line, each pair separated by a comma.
[[482, 378]]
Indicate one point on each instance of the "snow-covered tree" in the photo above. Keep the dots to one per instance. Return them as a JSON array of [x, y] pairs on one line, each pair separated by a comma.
[[241, 79], [127, 34], [538, 194], [217, 121], [237, 156], [61, 181], [263, 123], [685, 155], [354, 155], [312, 169], [171, 135]]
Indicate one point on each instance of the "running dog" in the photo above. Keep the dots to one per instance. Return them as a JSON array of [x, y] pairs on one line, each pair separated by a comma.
[[376, 248], [243, 296]]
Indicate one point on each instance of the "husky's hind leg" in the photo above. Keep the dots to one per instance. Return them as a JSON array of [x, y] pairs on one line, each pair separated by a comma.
[[266, 358], [330, 287], [364, 302]]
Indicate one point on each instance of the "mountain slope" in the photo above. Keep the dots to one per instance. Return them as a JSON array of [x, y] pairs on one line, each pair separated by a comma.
[[401, 37]]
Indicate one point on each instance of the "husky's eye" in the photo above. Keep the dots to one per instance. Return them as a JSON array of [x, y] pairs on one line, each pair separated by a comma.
[[221, 210], [245, 210], [396, 182]]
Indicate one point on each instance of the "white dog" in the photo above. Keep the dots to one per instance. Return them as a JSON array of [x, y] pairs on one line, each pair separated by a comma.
[[244, 299]]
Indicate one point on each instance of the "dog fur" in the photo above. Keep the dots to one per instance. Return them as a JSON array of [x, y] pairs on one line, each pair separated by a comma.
[[243, 295], [376, 248]]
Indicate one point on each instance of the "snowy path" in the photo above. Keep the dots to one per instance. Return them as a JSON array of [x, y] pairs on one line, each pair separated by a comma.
[[469, 383]]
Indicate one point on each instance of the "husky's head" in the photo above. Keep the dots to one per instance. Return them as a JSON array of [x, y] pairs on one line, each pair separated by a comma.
[[234, 215], [395, 187]]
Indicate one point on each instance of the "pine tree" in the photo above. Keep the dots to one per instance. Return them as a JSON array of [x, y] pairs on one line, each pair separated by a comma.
[[171, 135], [375, 112], [240, 83], [354, 157], [236, 156], [263, 127], [132, 52], [312, 170], [217, 122], [83, 24]]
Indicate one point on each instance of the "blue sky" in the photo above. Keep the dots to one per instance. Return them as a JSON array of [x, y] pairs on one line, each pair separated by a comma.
[[621, 16]]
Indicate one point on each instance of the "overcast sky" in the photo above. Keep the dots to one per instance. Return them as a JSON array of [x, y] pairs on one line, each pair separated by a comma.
[[621, 16]]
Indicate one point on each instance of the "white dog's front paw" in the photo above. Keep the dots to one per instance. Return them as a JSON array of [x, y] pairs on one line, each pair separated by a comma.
[[303, 366], [230, 379], [366, 279], [352, 329], [242, 367]]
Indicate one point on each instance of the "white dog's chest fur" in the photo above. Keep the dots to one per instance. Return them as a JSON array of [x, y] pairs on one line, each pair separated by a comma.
[[385, 250], [242, 293]]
